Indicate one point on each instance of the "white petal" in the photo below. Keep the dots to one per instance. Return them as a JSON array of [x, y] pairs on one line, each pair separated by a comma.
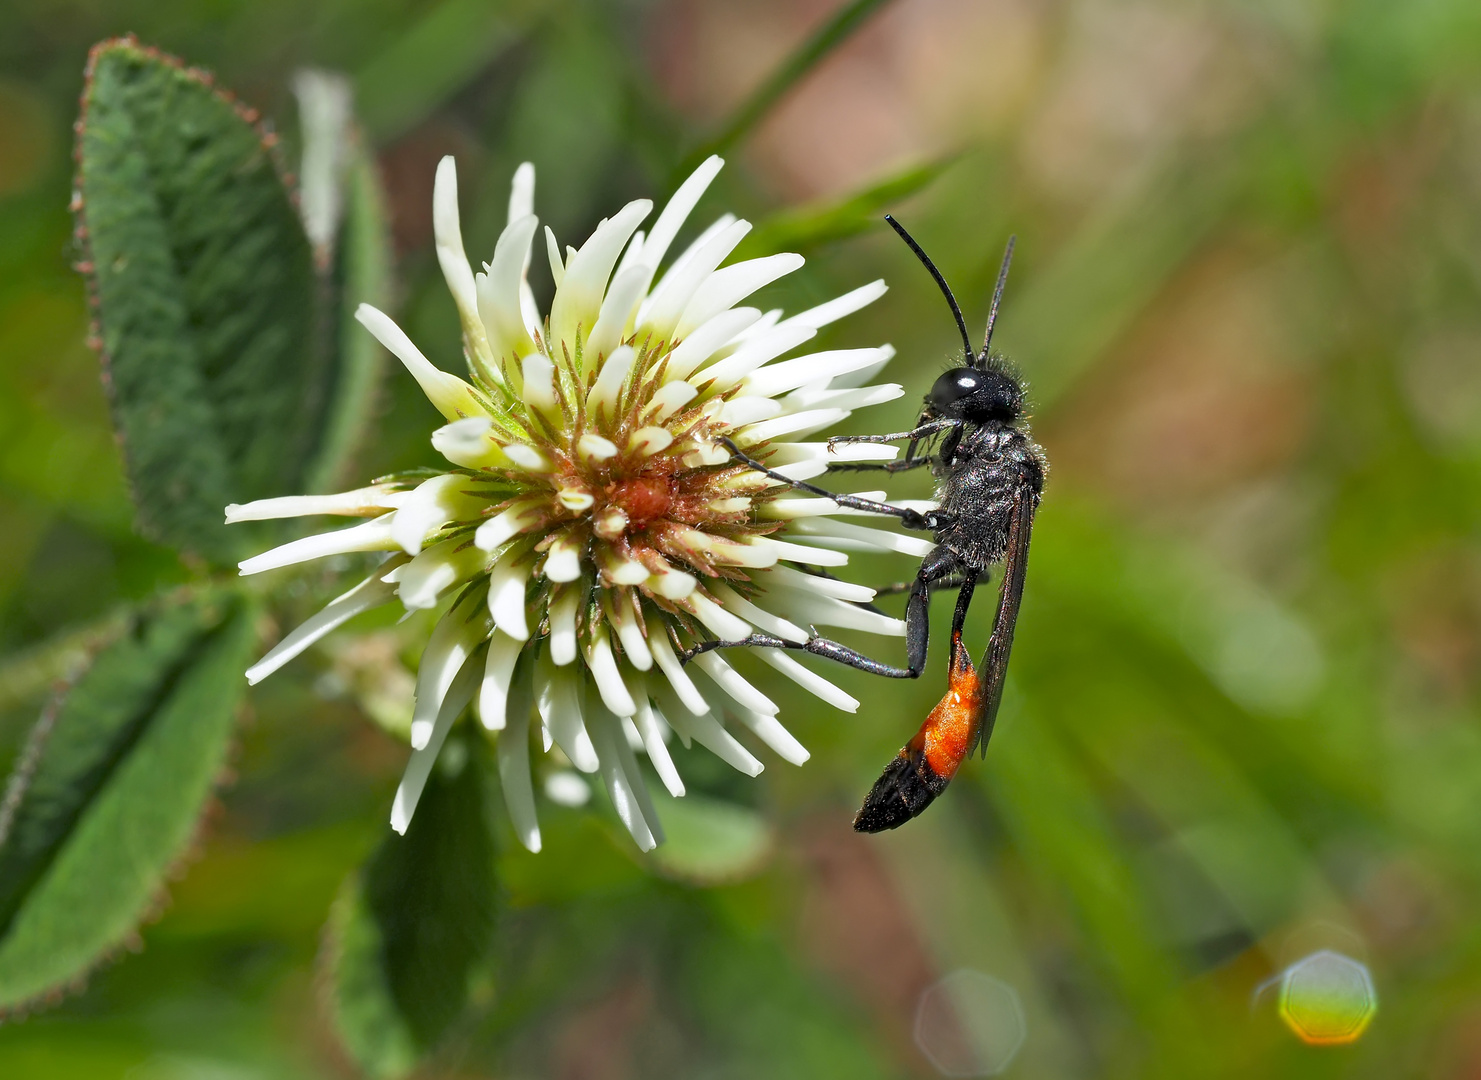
[[498, 672], [623, 780], [603, 395], [685, 257], [362, 502], [563, 560], [469, 442], [651, 727], [603, 667], [820, 610], [522, 192], [723, 624], [770, 731], [498, 290], [595, 447], [558, 695], [847, 537], [860, 376], [625, 621], [789, 452], [414, 779], [531, 460], [787, 375], [507, 524], [706, 730], [618, 307], [507, 594], [672, 584], [700, 344], [670, 398], [539, 388], [679, 285], [800, 423], [647, 441], [809, 680], [432, 505], [630, 256], [449, 394], [772, 624], [453, 640], [370, 593], [672, 219], [673, 671], [553, 253], [861, 398], [372, 535], [733, 683], [725, 288], [578, 300], [437, 569], [837, 308], [454, 261], [564, 607], [740, 411], [723, 374], [809, 506], [514, 765], [786, 577], [808, 556]]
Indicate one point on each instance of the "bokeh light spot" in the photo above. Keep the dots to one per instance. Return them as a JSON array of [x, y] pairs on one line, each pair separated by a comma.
[[1327, 998], [969, 1024]]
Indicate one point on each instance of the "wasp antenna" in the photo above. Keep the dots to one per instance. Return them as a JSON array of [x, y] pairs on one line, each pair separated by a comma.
[[997, 296], [961, 323]]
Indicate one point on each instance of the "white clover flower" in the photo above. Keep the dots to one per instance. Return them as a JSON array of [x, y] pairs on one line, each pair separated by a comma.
[[589, 527]]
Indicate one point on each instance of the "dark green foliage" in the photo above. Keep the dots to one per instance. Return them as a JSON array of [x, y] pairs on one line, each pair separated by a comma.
[[411, 934], [203, 291], [110, 788]]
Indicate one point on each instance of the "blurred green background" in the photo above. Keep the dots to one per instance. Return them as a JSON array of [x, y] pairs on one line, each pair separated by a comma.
[[1242, 721]]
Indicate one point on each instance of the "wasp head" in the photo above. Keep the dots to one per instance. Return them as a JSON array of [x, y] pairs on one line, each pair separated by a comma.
[[977, 395]]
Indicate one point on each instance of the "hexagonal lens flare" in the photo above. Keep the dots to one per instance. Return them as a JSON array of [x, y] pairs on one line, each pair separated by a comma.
[[969, 1024], [1327, 999]]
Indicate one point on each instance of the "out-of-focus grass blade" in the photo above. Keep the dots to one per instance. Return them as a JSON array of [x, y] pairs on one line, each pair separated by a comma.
[[433, 60], [351, 228], [110, 789], [1051, 810], [410, 936], [1108, 272], [829, 36], [808, 227], [203, 289]]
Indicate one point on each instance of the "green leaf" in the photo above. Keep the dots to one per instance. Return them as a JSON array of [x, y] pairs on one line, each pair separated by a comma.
[[110, 789], [710, 841], [807, 227], [203, 289], [410, 937]]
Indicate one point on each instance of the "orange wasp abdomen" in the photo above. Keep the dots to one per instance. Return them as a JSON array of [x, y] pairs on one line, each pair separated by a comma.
[[926, 764]]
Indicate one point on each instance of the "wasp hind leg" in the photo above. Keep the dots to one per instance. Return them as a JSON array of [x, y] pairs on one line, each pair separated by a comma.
[[926, 764]]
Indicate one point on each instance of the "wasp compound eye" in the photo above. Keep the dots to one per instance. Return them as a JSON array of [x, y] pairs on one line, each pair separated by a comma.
[[953, 387]]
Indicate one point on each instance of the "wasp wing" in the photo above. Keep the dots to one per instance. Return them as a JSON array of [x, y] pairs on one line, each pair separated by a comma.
[[994, 667]]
